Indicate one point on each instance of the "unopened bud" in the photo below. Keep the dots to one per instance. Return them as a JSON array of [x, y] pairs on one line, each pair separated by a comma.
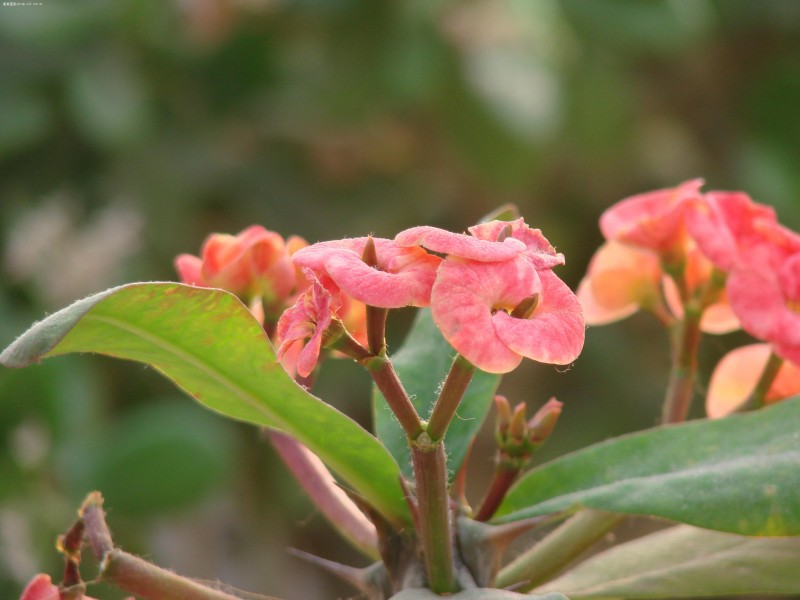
[[503, 414], [517, 429], [544, 421]]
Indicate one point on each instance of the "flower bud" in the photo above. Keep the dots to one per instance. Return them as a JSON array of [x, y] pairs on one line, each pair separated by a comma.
[[543, 422]]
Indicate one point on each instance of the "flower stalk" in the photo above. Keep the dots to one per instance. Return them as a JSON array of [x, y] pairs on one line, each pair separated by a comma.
[[453, 389], [435, 518]]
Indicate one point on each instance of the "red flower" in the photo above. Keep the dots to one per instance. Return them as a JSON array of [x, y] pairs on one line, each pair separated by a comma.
[[253, 264]]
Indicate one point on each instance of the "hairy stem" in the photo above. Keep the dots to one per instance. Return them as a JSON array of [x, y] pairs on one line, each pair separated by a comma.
[[435, 519], [385, 377], [447, 403]]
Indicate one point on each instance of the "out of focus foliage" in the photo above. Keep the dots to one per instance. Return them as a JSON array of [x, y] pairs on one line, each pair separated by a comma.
[[131, 129]]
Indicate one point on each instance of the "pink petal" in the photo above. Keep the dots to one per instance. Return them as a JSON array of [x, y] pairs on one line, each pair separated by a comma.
[[403, 277], [409, 287], [305, 322], [537, 248], [755, 296], [724, 223], [595, 313], [555, 332], [736, 375], [621, 278], [40, 588], [652, 220], [190, 270], [458, 244], [464, 296], [735, 378]]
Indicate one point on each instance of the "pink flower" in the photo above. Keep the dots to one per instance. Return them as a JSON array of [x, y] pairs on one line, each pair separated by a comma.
[[402, 276], [254, 263], [473, 302], [495, 298], [303, 324], [736, 375], [653, 220]]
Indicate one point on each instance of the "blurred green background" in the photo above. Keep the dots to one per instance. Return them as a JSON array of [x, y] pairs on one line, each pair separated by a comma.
[[130, 129]]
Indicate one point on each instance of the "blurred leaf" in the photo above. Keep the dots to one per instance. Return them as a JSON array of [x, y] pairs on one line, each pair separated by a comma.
[[211, 346], [656, 26], [160, 457], [422, 365], [109, 101], [682, 562], [737, 474], [24, 120]]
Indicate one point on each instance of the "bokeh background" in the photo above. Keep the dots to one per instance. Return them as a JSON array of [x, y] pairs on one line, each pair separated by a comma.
[[131, 129]]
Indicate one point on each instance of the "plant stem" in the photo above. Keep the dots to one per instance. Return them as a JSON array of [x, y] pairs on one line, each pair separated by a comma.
[[376, 329], [456, 383], [385, 377], [558, 549], [435, 520], [685, 344], [504, 476], [768, 375]]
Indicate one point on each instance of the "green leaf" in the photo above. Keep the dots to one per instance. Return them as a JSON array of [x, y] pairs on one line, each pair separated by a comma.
[[209, 344], [475, 594], [422, 365], [687, 562], [738, 474]]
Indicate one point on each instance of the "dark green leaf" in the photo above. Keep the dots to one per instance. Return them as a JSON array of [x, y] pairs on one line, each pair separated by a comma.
[[210, 345], [687, 562], [422, 364], [738, 474]]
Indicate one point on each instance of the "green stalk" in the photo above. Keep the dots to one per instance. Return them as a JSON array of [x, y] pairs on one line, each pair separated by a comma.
[[435, 520], [685, 345], [447, 403], [768, 375], [544, 560]]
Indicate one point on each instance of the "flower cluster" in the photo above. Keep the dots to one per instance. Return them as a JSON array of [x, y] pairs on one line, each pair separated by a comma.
[[493, 295], [717, 252]]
